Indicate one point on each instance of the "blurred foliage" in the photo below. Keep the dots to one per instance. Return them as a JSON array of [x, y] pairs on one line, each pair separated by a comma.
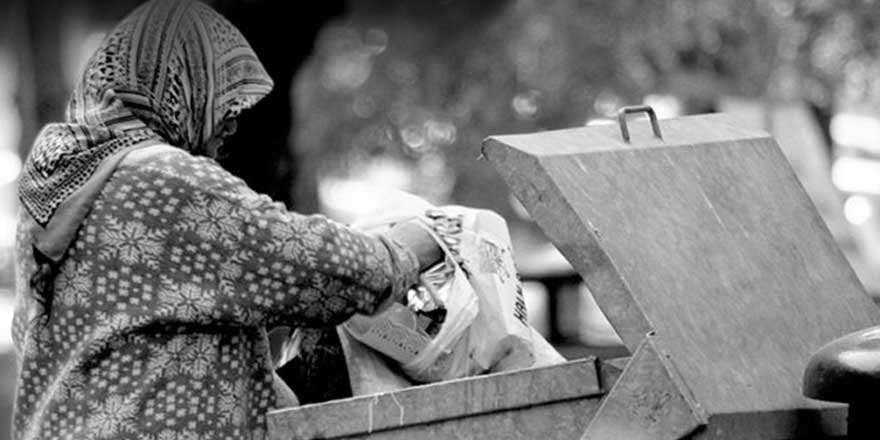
[[419, 85], [831, 50], [407, 89]]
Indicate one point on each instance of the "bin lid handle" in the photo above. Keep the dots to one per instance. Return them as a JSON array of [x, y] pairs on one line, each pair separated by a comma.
[[621, 120]]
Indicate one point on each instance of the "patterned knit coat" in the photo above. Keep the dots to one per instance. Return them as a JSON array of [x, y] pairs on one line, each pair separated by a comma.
[[168, 268], [157, 328]]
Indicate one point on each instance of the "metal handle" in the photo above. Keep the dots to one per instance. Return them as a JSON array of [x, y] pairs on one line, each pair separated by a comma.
[[621, 120]]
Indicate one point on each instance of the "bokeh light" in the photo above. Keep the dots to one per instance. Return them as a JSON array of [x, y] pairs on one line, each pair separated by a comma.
[[858, 209], [856, 175], [10, 167], [856, 130]]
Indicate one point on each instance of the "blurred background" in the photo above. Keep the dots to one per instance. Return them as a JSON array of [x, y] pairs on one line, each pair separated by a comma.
[[373, 95]]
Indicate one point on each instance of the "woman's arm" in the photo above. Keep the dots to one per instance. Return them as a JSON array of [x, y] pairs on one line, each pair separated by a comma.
[[262, 264], [309, 270]]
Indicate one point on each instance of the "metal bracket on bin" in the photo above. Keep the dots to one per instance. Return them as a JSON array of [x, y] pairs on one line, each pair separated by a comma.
[[621, 120]]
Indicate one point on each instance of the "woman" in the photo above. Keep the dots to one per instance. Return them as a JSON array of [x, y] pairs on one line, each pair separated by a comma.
[[147, 274]]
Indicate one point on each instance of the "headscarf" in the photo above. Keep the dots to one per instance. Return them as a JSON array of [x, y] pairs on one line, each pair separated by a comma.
[[171, 72]]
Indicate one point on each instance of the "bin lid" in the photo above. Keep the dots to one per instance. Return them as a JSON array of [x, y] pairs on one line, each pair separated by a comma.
[[702, 234]]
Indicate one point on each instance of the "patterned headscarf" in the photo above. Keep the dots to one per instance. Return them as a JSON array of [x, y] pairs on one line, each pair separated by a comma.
[[171, 72]]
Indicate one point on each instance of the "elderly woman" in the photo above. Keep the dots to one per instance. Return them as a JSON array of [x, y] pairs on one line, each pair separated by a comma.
[[146, 274]]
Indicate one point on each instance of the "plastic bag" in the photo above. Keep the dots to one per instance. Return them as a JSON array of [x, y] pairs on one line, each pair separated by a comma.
[[486, 328], [500, 336], [396, 331]]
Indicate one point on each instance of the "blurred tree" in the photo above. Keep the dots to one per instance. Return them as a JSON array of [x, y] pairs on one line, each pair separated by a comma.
[[832, 50], [411, 88], [423, 82]]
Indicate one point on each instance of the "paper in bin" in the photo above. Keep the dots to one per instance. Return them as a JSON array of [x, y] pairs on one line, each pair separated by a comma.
[[394, 332]]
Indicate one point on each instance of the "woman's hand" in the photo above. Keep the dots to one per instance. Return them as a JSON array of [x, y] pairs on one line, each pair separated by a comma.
[[416, 238]]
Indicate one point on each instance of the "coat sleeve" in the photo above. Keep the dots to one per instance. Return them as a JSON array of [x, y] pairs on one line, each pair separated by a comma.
[[265, 265]]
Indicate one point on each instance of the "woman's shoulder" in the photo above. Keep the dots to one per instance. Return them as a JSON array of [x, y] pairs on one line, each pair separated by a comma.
[[165, 165]]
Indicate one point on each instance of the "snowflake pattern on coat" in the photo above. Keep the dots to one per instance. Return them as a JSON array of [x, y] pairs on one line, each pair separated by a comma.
[[157, 330]]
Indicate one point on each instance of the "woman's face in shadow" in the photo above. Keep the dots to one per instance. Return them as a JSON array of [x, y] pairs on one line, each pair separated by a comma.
[[225, 129]]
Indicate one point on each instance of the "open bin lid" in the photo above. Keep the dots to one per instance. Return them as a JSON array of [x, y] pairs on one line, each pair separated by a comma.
[[707, 256], [697, 231]]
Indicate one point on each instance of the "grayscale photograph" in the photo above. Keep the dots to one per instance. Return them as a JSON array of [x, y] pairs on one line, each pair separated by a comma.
[[449, 219]]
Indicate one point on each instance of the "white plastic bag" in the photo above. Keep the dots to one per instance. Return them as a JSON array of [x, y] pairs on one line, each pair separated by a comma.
[[485, 328], [501, 338], [394, 332]]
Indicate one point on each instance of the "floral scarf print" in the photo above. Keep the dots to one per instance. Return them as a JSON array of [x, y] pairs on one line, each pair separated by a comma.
[[176, 268], [171, 72]]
